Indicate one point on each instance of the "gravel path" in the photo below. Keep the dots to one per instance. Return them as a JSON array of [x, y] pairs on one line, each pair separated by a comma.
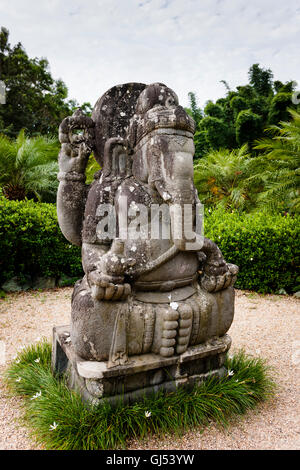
[[264, 325]]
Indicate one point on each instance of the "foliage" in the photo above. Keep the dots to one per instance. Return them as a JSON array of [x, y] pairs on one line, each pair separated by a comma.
[[264, 246], [247, 126], [92, 168], [261, 79], [225, 179], [280, 166], [214, 110], [77, 426], [278, 110], [34, 100], [195, 112], [243, 114], [214, 130], [31, 242], [28, 167]]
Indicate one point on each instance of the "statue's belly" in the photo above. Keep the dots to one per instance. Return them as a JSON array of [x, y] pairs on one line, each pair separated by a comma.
[[177, 272]]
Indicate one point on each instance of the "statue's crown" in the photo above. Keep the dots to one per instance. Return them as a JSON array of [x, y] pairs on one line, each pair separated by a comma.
[[157, 108]]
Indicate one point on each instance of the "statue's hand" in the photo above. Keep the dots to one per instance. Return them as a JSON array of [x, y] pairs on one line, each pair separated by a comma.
[[107, 282], [72, 159], [76, 135], [214, 283], [105, 287]]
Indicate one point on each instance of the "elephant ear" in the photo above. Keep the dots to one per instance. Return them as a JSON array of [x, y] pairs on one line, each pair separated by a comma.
[[117, 160], [112, 113]]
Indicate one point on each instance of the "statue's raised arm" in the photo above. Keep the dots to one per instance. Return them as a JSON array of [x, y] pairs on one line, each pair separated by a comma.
[[76, 135]]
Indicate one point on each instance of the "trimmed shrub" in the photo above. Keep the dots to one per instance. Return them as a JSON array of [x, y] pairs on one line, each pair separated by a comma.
[[31, 242], [264, 246]]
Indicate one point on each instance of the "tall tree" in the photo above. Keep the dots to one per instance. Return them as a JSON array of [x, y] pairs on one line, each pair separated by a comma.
[[261, 79], [34, 100], [243, 114]]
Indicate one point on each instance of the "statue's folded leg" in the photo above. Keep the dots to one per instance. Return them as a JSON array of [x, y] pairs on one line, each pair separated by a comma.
[[93, 324]]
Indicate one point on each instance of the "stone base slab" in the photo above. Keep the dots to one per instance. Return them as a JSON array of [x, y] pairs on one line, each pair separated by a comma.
[[142, 374]]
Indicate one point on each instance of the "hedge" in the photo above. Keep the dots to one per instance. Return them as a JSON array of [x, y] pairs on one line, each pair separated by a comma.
[[265, 247], [31, 242]]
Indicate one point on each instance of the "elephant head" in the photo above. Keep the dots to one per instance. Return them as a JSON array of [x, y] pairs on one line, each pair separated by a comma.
[[161, 133]]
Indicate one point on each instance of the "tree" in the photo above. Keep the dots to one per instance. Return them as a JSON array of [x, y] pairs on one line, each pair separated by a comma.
[[238, 104], [225, 178], [280, 165], [261, 80], [213, 110], [215, 132], [34, 100], [195, 111], [243, 114], [279, 108], [247, 126], [28, 167]]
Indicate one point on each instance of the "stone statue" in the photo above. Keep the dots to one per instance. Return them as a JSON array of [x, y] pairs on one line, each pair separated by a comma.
[[154, 305]]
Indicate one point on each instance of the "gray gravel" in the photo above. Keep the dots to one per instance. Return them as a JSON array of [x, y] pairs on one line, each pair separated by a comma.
[[268, 326]]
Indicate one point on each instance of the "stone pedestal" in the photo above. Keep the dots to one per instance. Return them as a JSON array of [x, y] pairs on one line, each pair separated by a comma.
[[142, 374]]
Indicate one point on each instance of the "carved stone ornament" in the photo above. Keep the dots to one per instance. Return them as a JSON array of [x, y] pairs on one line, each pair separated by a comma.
[[157, 297]]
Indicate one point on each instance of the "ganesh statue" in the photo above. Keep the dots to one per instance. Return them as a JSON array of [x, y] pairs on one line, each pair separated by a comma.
[[156, 299]]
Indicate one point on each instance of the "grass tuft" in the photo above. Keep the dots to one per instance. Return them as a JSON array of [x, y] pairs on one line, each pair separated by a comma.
[[59, 420]]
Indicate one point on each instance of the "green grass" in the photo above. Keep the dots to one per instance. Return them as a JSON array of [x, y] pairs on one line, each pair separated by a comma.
[[107, 427]]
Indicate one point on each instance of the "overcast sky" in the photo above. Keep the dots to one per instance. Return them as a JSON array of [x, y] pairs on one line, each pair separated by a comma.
[[190, 45]]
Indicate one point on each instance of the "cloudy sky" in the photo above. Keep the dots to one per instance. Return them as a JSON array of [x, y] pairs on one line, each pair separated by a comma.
[[188, 44]]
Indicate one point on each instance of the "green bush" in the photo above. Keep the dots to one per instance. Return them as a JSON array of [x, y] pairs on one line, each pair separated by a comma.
[[264, 246], [32, 243]]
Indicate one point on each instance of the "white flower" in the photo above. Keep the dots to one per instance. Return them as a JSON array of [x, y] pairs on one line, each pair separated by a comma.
[[147, 414], [37, 395], [230, 373], [174, 305], [18, 379], [53, 426], [18, 361], [251, 259], [37, 360]]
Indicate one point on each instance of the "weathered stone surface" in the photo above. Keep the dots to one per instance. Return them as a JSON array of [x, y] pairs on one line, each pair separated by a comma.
[[149, 290], [16, 284], [112, 114], [44, 283], [142, 375]]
